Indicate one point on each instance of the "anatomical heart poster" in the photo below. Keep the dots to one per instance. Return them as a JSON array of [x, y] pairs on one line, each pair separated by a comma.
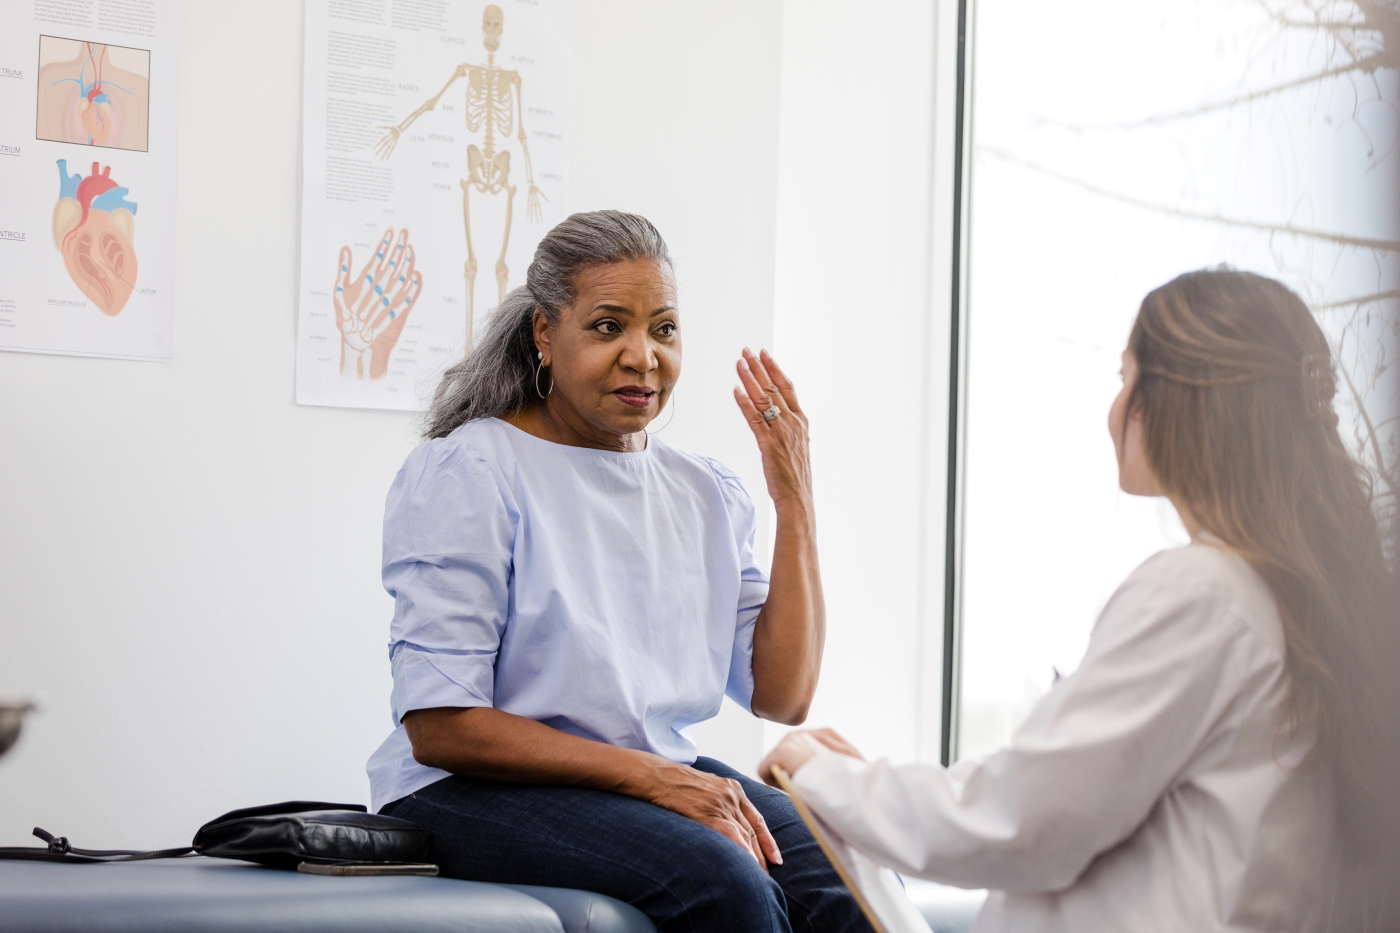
[[88, 159], [435, 155]]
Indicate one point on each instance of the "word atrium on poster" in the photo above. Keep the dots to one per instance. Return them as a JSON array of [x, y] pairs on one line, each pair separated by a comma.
[[88, 159], [435, 157]]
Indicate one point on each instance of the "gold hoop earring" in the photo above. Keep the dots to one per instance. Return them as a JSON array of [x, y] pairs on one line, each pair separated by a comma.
[[671, 404], [537, 381]]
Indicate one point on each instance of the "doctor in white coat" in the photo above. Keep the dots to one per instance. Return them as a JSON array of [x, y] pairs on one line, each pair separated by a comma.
[[1201, 768]]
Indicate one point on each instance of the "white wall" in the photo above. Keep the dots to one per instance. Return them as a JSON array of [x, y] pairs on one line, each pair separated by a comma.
[[189, 561], [862, 328]]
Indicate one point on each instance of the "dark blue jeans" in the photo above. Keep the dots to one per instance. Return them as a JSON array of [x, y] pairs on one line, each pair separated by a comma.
[[684, 876]]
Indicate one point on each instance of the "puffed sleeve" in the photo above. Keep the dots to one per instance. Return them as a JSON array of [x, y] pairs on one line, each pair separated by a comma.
[[1169, 661], [753, 581], [448, 539]]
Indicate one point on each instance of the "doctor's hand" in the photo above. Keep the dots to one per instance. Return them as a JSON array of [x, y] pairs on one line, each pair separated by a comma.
[[797, 748], [716, 802], [782, 434]]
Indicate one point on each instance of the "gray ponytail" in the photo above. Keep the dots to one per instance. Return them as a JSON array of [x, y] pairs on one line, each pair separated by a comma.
[[498, 376]]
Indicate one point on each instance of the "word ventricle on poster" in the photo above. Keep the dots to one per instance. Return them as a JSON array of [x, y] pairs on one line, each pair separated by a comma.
[[88, 159], [435, 157]]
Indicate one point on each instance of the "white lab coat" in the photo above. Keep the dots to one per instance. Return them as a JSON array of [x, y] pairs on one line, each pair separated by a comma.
[[1151, 790]]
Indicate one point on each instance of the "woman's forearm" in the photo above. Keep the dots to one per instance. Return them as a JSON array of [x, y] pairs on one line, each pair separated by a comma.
[[791, 627], [482, 742]]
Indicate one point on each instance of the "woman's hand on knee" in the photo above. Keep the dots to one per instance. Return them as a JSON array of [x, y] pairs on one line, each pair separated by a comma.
[[719, 803]]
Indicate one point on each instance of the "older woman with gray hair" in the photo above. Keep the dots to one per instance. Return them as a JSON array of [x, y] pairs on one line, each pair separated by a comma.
[[571, 593]]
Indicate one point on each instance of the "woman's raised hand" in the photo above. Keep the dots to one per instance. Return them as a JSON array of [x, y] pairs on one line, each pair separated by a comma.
[[791, 627], [719, 803], [769, 404]]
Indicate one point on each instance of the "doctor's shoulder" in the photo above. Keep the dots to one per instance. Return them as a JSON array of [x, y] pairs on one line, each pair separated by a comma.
[[1203, 588]]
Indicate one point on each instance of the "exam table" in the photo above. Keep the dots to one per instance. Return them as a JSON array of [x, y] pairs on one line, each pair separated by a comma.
[[206, 895]]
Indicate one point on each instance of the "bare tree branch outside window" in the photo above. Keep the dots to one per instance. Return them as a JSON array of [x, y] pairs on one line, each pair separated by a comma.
[[1337, 62]]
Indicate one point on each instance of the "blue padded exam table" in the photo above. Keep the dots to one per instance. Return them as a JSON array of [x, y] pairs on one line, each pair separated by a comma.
[[206, 895]]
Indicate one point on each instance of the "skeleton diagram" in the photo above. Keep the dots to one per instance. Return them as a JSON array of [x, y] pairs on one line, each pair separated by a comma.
[[494, 106]]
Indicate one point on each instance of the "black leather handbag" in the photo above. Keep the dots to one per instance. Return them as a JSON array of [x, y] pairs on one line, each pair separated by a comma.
[[308, 836]]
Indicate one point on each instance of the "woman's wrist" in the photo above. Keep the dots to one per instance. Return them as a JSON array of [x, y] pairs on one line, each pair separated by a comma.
[[795, 507], [646, 776]]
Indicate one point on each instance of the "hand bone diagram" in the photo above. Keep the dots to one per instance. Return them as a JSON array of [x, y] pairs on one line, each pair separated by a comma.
[[372, 307], [94, 227]]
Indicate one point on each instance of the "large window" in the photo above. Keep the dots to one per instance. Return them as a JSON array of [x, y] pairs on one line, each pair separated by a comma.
[[1113, 146], [1106, 148]]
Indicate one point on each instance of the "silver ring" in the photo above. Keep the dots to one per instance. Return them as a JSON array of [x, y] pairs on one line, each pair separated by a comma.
[[771, 412]]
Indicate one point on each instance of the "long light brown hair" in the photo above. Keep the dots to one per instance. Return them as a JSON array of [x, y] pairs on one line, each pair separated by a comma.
[[1235, 391]]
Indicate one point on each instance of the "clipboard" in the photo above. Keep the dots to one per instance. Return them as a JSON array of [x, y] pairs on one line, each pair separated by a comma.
[[892, 912]]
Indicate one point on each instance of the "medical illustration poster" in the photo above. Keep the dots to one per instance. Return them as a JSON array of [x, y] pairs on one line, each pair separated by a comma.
[[88, 160], [435, 157], [93, 94]]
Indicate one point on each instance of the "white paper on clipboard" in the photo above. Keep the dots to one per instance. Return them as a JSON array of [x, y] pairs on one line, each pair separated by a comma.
[[877, 889]]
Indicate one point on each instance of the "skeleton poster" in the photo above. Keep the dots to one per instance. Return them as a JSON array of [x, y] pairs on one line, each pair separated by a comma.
[[434, 158], [88, 159]]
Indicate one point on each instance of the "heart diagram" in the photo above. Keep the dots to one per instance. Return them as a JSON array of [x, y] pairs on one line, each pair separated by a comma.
[[93, 94], [94, 227]]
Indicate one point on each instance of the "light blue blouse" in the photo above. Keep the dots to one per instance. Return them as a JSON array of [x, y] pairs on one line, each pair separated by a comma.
[[608, 595]]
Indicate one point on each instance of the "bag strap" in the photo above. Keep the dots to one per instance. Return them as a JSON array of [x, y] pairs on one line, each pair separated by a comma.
[[59, 849]]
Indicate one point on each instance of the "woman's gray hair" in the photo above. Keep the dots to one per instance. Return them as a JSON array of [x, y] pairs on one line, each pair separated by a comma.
[[498, 376]]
